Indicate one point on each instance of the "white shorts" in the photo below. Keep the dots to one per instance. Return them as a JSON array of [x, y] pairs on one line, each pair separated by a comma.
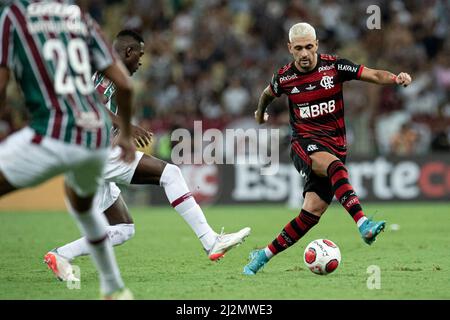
[[107, 194], [116, 172], [26, 161]]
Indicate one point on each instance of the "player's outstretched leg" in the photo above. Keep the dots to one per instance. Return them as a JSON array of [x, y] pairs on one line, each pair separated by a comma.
[[120, 229], [343, 191], [181, 199], [291, 233], [58, 259]]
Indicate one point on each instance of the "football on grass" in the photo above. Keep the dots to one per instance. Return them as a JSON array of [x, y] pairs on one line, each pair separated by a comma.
[[322, 256]]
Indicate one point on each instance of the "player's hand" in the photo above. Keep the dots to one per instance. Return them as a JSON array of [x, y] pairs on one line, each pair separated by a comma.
[[403, 79], [128, 148], [260, 119], [142, 137]]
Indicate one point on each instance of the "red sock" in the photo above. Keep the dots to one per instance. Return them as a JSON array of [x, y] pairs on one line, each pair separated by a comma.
[[293, 231], [343, 190]]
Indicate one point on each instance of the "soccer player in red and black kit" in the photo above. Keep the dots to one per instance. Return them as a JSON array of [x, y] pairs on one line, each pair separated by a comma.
[[313, 83]]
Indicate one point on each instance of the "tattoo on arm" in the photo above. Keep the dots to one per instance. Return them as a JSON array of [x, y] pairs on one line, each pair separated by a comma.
[[264, 101]]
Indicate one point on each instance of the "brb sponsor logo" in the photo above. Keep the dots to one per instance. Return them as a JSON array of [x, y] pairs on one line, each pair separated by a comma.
[[288, 78], [317, 109]]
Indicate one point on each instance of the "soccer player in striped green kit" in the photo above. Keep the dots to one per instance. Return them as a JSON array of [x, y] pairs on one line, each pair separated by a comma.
[[49, 46], [146, 169]]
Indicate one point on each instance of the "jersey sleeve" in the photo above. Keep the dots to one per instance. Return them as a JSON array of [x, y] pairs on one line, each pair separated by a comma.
[[6, 39], [102, 53], [275, 86], [347, 70]]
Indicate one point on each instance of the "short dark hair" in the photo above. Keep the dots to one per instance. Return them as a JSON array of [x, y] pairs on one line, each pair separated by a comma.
[[130, 33]]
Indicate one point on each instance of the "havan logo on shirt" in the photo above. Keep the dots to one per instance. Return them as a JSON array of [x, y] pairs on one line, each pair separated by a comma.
[[344, 67]]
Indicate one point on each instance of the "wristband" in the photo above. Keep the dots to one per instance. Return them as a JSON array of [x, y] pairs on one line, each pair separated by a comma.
[[394, 78]]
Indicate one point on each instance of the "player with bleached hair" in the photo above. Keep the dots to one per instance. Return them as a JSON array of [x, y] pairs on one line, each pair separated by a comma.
[[313, 84], [145, 169]]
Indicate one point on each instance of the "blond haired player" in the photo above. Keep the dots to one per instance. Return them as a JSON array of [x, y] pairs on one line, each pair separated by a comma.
[[313, 84]]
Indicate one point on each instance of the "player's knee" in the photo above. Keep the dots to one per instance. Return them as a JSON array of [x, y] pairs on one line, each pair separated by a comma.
[[120, 233], [315, 205], [129, 231], [171, 174], [316, 210], [321, 161], [335, 166]]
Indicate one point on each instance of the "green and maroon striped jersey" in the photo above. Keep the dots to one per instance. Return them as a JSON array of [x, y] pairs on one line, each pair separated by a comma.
[[52, 48], [106, 89]]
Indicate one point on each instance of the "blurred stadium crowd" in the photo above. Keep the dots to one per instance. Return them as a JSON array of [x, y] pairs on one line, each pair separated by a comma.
[[209, 60]]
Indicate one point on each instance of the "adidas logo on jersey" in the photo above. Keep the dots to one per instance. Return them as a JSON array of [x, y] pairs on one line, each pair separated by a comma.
[[295, 90]]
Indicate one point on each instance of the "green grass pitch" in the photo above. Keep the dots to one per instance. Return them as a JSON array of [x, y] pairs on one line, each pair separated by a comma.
[[165, 260]]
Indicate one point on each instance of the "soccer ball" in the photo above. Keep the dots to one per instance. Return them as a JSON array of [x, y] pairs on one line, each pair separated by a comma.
[[322, 256]]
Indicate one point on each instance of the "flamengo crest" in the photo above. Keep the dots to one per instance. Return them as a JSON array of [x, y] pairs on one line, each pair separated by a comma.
[[327, 82]]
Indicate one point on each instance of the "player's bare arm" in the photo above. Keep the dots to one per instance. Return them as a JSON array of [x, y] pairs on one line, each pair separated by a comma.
[[118, 74], [264, 100], [385, 77]]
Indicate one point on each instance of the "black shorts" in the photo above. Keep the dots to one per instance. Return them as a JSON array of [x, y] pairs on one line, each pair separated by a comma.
[[301, 149]]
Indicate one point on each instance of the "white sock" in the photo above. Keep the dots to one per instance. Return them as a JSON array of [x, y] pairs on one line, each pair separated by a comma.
[[361, 221], [117, 234], [120, 233], [181, 199], [93, 226], [195, 218], [74, 249], [269, 254]]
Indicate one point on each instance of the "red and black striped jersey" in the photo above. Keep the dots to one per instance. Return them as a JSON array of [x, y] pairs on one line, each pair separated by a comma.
[[316, 104]]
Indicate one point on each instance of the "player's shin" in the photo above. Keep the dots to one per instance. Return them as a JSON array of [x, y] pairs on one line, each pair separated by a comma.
[[118, 234], [343, 191], [92, 224], [184, 203], [291, 233]]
